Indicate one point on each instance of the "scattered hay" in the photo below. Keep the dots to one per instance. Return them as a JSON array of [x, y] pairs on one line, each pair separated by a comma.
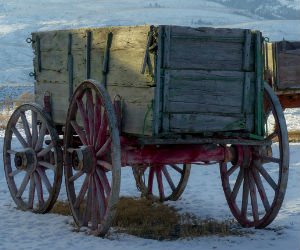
[[147, 219], [25, 97], [62, 208]]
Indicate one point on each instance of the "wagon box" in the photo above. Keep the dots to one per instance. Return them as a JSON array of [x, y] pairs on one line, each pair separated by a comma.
[[171, 79], [283, 71]]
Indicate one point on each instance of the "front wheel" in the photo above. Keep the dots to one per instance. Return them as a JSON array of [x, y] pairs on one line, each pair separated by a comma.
[[92, 158]]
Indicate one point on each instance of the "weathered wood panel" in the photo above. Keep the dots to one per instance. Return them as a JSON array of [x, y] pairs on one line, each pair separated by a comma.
[[195, 123], [124, 78], [289, 69], [211, 49], [205, 92], [123, 38]]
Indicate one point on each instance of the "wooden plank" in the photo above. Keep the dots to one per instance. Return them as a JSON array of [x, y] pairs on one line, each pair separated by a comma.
[[166, 103], [247, 51], [195, 123], [192, 54], [158, 79], [224, 33], [124, 68], [124, 37]]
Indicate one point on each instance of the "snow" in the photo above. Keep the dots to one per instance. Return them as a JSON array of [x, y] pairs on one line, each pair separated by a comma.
[[203, 195]]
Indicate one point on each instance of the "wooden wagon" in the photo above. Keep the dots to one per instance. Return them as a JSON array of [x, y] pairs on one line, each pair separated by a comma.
[[162, 98], [282, 69]]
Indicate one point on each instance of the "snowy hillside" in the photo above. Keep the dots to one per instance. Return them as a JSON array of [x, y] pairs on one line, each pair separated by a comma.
[[270, 9], [19, 18]]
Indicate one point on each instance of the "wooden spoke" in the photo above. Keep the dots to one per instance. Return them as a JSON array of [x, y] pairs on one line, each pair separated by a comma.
[[267, 177], [105, 164], [76, 176], [44, 179], [31, 192], [101, 197], [41, 136], [104, 181], [168, 178], [39, 189], [102, 131], [19, 137], [232, 169], [104, 148], [26, 128], [87, 208], [160, 184], [90, 113], [261, 190], [47, 165], [150, 180], [245, 195], [12, 152], [15, 172], [179, 170], [45, 150], [34, 128], [79, 132], [237, 185], [82, 192], [253, 197], [97, 118], [23, 185], [84, 119], [94, 208], [270, 159]]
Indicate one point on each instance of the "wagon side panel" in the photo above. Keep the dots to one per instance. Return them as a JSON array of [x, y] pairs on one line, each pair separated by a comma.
[[209, 80], [63, 59]]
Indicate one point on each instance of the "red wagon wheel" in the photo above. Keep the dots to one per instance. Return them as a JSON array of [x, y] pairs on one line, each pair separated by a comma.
[[92, 157], [255, 187], [162, 182], [32, 159]]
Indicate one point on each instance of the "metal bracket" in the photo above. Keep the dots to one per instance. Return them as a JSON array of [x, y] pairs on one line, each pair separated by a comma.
[[105, 67]]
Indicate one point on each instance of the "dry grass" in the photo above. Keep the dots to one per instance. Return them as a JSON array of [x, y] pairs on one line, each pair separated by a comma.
[[62, 208], [7, 106], [146, 219], [294, 136], [25, 97]]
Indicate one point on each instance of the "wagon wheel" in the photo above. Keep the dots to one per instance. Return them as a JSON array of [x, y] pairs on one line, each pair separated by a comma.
[[170, 181], [92, 158], [255, 187], [32, 159]]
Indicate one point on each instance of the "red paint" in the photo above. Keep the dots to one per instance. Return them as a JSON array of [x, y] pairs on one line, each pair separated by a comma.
[[134, 154]]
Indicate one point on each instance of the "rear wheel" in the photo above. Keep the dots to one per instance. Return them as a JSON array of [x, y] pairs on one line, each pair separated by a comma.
[[255, 186], [162, 182]]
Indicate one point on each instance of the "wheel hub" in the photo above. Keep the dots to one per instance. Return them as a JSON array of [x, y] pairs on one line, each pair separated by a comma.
[[26, 159], [84, 159]]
